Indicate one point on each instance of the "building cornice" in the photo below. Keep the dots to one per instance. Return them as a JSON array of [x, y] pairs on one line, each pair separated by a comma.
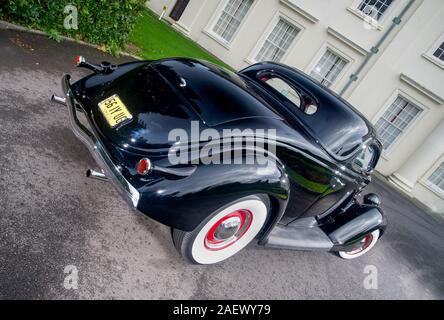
[[347, 41], [424, 90], [300, 11]]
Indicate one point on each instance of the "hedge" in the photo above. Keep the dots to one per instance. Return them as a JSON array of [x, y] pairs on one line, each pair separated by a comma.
[[102, 22]]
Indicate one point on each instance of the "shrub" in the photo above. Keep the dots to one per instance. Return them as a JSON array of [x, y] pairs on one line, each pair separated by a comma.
[[103, 22]]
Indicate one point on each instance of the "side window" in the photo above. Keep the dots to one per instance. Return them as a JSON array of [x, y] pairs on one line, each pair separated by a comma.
[[289, 92]]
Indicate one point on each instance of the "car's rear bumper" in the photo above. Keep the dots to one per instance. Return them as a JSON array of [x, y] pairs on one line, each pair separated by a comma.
[[97, 149]]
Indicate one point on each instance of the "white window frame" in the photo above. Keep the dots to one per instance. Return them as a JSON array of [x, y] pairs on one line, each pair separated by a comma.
[[354, 8], [425, 180], [429, 54], [328, 46], [270, 27], [386, 153], [215, 18]]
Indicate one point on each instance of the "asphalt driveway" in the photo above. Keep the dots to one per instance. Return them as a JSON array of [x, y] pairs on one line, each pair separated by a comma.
[[51, 217]]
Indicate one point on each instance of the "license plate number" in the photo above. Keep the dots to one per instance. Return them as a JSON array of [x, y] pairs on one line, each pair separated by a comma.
[[114, 111]]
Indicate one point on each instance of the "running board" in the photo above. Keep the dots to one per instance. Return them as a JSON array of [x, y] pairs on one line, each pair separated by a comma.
[[304, 239]]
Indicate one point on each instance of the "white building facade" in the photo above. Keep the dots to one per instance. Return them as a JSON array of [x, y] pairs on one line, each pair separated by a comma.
[[386, 57]]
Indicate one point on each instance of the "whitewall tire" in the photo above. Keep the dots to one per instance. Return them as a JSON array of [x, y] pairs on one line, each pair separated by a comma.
[[224, 233], [367, 243]]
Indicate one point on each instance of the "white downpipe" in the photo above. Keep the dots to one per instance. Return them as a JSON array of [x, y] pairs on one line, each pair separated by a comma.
[[163, 12]]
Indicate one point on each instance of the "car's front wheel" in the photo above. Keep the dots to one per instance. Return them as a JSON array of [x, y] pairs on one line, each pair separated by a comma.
[[226, 232], [364, 246]]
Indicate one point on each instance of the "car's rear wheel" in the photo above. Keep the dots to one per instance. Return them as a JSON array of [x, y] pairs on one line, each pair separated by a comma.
[[224, 233], [365, 245]]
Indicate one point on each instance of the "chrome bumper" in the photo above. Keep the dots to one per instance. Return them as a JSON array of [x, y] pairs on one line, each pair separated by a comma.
[[100, 154]]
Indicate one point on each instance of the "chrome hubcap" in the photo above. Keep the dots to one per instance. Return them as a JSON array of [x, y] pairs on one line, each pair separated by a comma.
[[228, 230]]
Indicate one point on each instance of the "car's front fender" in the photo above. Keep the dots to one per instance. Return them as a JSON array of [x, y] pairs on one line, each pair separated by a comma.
[[351, 226]]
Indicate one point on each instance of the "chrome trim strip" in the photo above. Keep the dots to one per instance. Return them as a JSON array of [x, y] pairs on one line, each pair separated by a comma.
[[100, 154]]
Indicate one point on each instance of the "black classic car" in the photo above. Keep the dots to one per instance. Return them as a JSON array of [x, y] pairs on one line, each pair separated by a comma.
[[175, 137]]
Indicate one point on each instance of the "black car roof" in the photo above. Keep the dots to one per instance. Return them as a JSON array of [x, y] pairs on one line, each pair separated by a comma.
[[218, 96], [338, 126]]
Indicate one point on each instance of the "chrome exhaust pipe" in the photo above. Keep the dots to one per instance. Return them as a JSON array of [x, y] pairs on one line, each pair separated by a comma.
[[96, 175], [58, 100]]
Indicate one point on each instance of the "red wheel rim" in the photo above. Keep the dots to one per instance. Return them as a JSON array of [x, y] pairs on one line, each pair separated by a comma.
[[228, 230], [364, 244]]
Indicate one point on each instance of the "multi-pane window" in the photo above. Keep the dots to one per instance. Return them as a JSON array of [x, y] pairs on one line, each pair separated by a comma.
[[439, 53], [231, 18], [396, 120], [328, 68], [374, 8], [437, 178], [277, 42]]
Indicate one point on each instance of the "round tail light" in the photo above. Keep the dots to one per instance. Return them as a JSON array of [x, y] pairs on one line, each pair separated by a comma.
[[78, 60], [144, 167]]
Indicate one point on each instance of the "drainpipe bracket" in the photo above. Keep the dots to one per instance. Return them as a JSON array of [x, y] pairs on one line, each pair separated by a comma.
[[397, 20], [353, 77], [374, 50]]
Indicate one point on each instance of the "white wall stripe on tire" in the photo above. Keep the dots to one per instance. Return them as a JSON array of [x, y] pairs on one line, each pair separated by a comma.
[[348, 256], [203, 255]]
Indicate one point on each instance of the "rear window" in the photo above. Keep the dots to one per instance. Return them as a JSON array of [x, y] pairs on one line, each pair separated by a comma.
[[288, 92]]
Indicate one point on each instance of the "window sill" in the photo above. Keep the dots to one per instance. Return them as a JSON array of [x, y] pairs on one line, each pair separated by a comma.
[[216, 38], [433, 60], [375, 24], [432, 188]]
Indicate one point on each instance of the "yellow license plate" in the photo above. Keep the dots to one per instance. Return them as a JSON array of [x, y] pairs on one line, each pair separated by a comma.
[[114, 111]]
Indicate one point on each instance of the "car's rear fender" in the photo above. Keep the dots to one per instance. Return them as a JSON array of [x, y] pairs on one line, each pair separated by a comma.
[[184, 203]]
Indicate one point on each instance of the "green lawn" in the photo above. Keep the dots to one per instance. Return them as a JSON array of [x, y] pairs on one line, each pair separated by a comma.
[[157, 40]]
